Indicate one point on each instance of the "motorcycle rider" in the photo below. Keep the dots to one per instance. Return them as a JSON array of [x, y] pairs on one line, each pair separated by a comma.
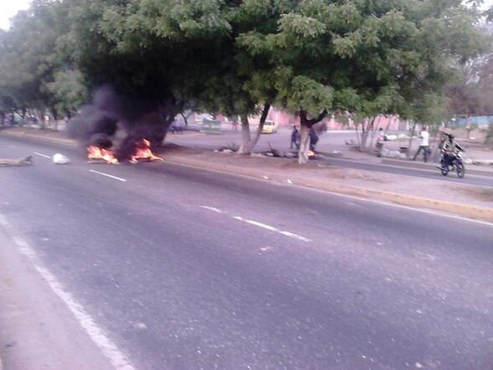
[[449, 149]]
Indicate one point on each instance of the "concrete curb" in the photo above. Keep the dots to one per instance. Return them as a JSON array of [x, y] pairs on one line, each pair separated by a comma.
[[464, 210]]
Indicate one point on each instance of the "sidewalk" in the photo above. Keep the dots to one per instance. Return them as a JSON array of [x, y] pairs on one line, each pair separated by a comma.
[[452, 197]]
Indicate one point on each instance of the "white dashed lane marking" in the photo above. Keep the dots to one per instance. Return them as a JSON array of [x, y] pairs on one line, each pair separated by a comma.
[[255, 223], [42, 155], [260, 224], [212, 209], [108, 175], [93, 171]]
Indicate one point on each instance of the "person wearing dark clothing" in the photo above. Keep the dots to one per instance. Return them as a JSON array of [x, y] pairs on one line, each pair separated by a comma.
[[295, 138], [449, 149], [380, 141], [313, 139]]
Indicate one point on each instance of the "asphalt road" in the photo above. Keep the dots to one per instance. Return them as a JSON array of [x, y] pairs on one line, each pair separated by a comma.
[[184, 269]]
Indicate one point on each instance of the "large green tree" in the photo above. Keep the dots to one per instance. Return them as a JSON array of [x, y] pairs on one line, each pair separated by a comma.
[[173, 53], [365, 58], [34, 71], [156, 55], [312, 57]]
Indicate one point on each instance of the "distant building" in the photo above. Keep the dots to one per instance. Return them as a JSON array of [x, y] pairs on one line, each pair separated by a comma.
[[463, 120]]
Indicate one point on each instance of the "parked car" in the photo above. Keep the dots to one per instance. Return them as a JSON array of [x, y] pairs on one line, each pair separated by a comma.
[[269, 127]]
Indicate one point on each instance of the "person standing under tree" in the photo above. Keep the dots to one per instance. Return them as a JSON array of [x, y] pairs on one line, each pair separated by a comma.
[[295, 138], [424, 145], [313, 138]]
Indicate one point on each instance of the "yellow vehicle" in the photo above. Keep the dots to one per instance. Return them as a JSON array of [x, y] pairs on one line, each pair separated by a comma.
[[269, 127]]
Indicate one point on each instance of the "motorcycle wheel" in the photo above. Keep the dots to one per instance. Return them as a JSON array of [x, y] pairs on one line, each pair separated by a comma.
[[461, 170], [444, 169]]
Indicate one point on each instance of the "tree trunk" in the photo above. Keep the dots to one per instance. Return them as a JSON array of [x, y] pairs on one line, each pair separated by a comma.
[[305, 126], [375, 125], [369, 125], [360, 135], [367, 133], [43, 120], [185, 119], [410, 143], [54, 113], [304, 144], [263, 117], [364, 138], [246, 141], [357, 135], [167, 112], [23, 116]]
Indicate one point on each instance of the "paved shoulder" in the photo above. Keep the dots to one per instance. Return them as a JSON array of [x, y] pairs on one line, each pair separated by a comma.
[[36, 328]]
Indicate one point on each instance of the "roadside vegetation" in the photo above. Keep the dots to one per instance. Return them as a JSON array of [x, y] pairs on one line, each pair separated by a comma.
[[421, 60]]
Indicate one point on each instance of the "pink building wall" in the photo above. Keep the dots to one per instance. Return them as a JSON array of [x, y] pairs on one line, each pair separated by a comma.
[[285, 119], [282, 118]]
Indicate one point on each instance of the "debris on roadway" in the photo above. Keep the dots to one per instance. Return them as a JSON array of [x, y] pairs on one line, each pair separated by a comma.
[[26, 161], [60, 159]]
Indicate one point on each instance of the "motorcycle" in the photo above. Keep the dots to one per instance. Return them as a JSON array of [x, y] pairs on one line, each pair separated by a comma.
[[456, 164]]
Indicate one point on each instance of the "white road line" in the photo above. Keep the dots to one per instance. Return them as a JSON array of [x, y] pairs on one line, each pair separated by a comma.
[[97, 335], [295, 236], [108, 175], [260, 224], [42, 155], [272, 228], [212, 209]]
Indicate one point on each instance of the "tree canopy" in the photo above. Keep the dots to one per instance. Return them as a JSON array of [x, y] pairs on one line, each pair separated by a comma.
[[311, 57]]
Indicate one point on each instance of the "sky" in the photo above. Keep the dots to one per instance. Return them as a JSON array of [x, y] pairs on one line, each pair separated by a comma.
[[8, 8]]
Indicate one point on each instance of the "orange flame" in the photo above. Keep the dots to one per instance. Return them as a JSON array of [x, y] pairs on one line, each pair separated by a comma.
[[143, 151], [97, 153]]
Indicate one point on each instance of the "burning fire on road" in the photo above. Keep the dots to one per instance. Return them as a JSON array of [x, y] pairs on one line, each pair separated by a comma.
[[141, 152], [95, 154], [135, 124]]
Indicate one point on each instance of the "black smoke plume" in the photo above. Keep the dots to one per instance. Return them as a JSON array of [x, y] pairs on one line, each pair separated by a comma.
[[115, 120]]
